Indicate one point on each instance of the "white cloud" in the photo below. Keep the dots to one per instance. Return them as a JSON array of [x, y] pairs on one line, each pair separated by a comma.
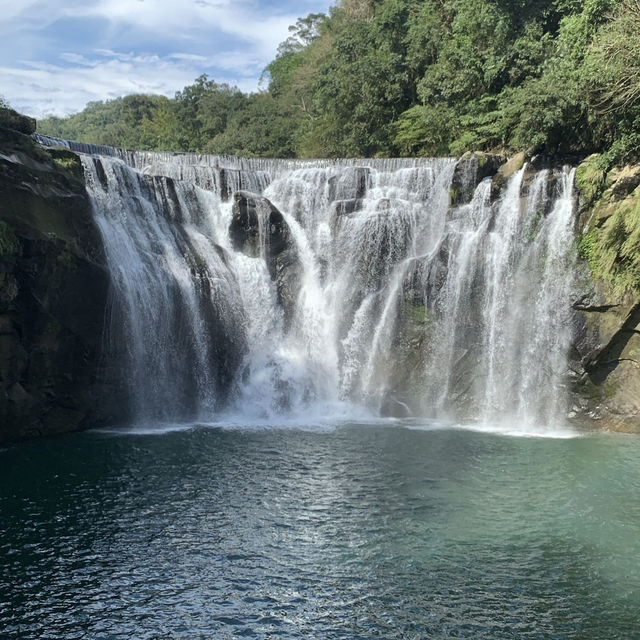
[[152, 46], [45, 89], [76, 58], [183, 20], [190, 57], [41, 89]]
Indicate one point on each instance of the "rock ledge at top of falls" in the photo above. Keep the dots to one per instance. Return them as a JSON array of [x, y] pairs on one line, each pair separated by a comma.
[[470, 170], [12, 120], [259, 230], [53, 292]]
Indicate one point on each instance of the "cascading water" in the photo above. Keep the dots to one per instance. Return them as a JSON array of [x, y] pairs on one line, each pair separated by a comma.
[[501, 325], [175, 299], [268, 289]]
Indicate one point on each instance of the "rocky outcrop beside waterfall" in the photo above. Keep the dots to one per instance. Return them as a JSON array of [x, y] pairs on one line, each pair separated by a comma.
[[470, 171], [53, 293], [606, 348], [606, 359], [259, 229]]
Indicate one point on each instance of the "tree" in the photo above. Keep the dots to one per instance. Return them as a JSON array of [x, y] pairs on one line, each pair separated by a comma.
[[381, 77], [260, 129], [614, 61]]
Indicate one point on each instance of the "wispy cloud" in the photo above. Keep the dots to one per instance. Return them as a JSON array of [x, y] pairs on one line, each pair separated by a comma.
[[58, 56]]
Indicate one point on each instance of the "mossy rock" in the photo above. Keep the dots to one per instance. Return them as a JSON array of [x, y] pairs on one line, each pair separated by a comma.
[[513, 165], [24, 146], [591, 179], [611, 242], [68, 163], [470, 171], [506, 171], [418, 314]]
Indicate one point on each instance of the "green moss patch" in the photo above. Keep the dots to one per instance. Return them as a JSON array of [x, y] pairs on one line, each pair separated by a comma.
[[68, 163], [612, 243], [591, 179], [418, 314]]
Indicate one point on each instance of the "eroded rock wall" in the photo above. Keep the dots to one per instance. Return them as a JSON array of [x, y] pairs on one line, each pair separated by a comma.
[[606, 351], [53, 293]]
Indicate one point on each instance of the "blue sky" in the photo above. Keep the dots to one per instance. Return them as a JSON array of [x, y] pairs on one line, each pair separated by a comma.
[[57, 55]]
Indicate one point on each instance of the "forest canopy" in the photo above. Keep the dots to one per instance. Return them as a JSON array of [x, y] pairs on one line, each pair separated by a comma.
[[410, 77]]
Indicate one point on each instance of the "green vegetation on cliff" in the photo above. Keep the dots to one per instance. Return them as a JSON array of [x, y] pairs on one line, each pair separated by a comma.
[[410, 77], [611, 242]]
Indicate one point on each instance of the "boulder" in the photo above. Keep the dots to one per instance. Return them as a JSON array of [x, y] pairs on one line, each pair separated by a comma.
[[627, 180], [605, 358], [259, 229], [505, 172], [351, 184], [347, 207], [10, 119], [244, 229]]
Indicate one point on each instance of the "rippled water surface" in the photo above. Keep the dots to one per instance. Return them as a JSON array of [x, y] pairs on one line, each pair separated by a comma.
[[359, 531]]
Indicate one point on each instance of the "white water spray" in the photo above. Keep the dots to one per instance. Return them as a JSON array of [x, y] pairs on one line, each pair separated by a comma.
[[402, 300]]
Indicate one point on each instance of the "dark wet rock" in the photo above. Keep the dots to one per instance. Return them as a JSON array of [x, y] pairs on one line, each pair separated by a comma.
[[407, 368], [259, 229], [232, 180], [53, 295], [605, 358], [10, 119], [470, 171], [351, 184], [283, 262], [550, 189], [347, 207], [245, 223]]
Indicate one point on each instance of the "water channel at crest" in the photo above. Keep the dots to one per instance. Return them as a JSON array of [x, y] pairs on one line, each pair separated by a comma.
[[349, 530]]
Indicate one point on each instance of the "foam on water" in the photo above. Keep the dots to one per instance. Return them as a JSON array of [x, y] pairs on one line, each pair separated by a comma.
[[506, 428]]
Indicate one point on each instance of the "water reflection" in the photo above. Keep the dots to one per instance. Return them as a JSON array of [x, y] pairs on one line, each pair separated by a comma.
[[361, 531]]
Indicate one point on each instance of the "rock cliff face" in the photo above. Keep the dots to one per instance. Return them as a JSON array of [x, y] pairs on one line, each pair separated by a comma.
[[606, 352], [53, 292], [607, 359]]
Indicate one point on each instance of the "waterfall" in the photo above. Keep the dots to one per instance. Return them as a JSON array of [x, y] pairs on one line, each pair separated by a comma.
[[266, 289], [501, 325]]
